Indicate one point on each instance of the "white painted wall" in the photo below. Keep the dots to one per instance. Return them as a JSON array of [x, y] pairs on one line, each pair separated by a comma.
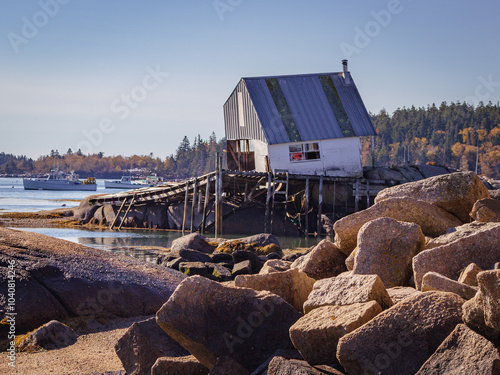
[[339, 157], [260, 153]]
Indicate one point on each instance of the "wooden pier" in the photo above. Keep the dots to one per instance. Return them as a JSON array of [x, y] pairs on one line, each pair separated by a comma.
[[303, 197]]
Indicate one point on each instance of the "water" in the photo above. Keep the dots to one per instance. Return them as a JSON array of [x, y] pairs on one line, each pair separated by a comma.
[[13, 197], [140, 244]]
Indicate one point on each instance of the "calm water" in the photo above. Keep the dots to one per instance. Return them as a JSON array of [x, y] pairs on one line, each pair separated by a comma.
[[13, 198]]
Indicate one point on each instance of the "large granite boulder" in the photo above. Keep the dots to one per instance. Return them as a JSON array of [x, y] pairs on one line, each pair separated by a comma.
[[142, 344], [65, 278], [323, 261], [457, 233], [317, 334], [433, 220], [481, 247], [399, 340], [454, 192], [464, 352], [386, 248], [292, 285], [193, 241], [347, 289], [35, 304], [212, 320], [486, 210]]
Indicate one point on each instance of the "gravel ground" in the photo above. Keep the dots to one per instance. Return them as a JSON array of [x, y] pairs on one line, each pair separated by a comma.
[[92, 354]]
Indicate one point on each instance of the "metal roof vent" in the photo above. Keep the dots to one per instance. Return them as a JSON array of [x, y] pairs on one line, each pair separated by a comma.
[[345, 74]]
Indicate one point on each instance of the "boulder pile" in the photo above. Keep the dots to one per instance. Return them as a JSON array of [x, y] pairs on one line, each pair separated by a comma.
[[409, 286]]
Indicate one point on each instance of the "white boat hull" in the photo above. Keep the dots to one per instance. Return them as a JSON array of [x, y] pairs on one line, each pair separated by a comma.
[[122, 185], [41, 184]]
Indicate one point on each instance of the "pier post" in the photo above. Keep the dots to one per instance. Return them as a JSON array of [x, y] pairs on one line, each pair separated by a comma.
[[320, 202], [333, 204], [205, 204], [268, 201], [184, 216], [306, 206], [356, 196], [218, 198], [193, 203]]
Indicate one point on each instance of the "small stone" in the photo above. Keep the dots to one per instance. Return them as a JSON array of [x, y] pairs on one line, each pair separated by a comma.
[[275, 265], [489, 285], [194, 256], [53, 335], [187, 365], [486, 210], [435, 281], [242, 268], [469, 274], [399, 293]]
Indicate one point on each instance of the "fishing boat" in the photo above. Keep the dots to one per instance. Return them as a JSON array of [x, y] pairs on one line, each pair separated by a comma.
[[126, 182], [58, 180]]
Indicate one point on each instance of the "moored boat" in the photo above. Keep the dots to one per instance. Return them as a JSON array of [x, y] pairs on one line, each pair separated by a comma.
[[126, 182], [58, 180]]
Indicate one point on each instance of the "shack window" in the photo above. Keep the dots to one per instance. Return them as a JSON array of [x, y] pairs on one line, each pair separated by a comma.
[[304, 151]]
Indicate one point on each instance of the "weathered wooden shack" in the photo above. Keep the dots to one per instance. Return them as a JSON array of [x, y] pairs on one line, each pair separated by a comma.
[[307, 124]]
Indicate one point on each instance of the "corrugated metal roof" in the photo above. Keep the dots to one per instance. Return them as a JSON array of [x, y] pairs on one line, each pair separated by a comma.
[[309, 106]]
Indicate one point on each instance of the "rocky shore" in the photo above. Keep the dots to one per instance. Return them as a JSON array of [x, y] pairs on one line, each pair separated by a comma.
[[410, 285]]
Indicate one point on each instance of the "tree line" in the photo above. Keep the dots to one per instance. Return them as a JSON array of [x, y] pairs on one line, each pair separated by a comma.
[[456, 135], [453, 135], [190, 159]]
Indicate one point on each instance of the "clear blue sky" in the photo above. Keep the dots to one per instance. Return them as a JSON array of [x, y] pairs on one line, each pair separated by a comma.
[[129, 77]]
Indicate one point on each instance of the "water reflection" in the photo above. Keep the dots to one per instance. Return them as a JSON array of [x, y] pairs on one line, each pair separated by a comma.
[[144, 245]]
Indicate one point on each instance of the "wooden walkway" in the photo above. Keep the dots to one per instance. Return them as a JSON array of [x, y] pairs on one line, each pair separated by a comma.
[[237, 189]]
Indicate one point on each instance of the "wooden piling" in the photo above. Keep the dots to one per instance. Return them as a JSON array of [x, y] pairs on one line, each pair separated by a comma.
[[320, 202], [306, 206], [184, 216], [193, 203], [356, 196], [333, 208], [367, 194], [268, 201], [218, 198], [207, 198]]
